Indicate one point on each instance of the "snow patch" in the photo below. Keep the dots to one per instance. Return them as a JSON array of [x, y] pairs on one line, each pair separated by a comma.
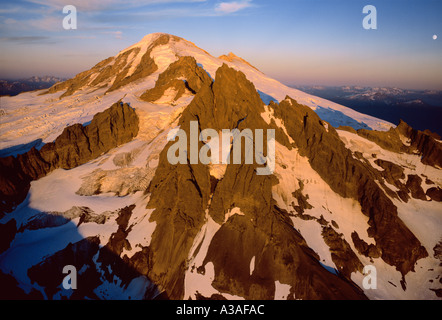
[[231, 213], [252, 265], [282, 291]]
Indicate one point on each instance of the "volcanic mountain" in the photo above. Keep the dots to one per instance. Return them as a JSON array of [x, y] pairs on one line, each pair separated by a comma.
[[85, 181]]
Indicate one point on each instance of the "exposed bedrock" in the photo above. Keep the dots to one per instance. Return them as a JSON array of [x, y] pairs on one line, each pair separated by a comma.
[[180, 196], [76, 145]]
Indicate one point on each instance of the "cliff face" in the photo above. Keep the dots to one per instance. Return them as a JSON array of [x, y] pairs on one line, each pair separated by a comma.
[[181, 76], [264, 231], [114, 72], [351, 178], [424, 143], [77, 145]]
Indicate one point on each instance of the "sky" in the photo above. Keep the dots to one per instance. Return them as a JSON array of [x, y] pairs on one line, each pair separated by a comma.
[[298, 42]]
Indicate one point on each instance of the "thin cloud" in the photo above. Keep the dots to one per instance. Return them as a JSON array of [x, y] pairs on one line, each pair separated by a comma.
[[48, 23], [10, 21], [10, 10], [103, 5], [116, 34], [232, 7], [27, 39]]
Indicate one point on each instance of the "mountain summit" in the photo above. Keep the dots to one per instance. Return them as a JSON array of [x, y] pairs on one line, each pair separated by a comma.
[[86, 181]]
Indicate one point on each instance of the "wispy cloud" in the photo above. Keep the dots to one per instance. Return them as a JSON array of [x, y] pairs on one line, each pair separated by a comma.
[[14, 9], [233, 6], [40, 21], [47, 23], [10, 21], [116, 34], [100, 5], [27, 39]]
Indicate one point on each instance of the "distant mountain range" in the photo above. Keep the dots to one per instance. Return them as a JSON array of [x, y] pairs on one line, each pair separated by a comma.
[[14, 87], [420, 108]]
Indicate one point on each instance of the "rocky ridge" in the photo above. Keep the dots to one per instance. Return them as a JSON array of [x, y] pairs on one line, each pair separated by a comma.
[[77, 145]]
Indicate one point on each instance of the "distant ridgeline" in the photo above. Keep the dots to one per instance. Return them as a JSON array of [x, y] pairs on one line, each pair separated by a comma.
[[15, 87], [422, 109]]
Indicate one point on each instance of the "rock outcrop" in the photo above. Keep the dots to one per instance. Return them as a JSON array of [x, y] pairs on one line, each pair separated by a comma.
[[435, 194], [368, 250], [76, 145], [422, 143], [7, 234], [393, 174], [48, 273], [341, 253], [182, 76], [414, 185], [146, 67], [389, 140], [114, 72], [351, 178], [428, 147]]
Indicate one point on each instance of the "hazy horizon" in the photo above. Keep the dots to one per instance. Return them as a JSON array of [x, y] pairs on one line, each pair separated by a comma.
[[296, 42], [292, 85]]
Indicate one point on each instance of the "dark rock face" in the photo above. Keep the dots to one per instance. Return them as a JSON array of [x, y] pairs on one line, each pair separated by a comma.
[[264, 231], [231, 102], [302, 200], [348, 129], [438, 251], [179, 216], [11, 291], [146, 67], [119, 69], [424, 143], [341, 253], [7, 234], [114, 248], [94, 264], [48, 274], [79, 80], [435, 194], [78, 145], [427, 146], [414, 183], [184, 196], [75, 146], [187, 68], [393, 173], [368, 250], [55, 219], [351, 178], [389, 140], [280, 254]]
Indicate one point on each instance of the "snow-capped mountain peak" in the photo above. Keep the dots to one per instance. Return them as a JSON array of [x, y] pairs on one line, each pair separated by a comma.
[[86, 181]]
